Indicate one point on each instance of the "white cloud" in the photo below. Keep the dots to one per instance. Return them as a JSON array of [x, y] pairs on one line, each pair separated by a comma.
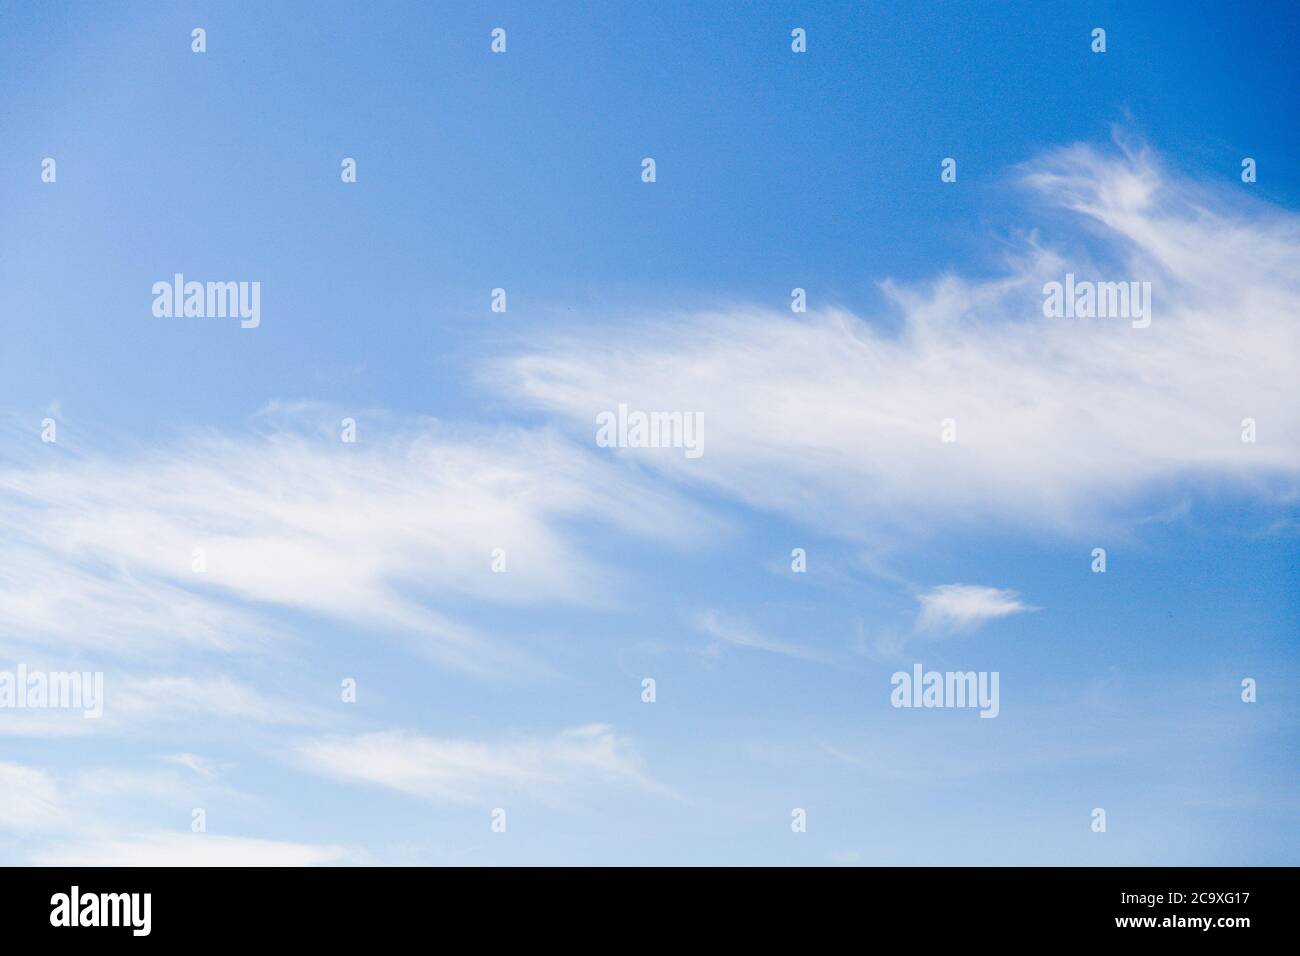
[[163, 848], [47, 723], [467, 771], [200, 765], [181, 697], [956, 608], [99, 549], [737, 634], [162, 704], [56, 825], [105, 782], [1060, 422]]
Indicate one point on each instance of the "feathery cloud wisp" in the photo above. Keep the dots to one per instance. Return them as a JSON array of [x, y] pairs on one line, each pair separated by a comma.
[[958, 608], [736, 634], [1059, 422], [465, 771], [101, 550], [166, 848]]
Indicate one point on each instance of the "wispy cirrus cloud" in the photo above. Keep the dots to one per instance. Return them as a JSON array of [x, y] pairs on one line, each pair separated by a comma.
[[161, 705], [548, 769], [961, 608], [1059, 423], [946, 610], [730, 632], [179, 698], [167, 848], [29, 798], [55, 824], [199, 765], [189, 548]]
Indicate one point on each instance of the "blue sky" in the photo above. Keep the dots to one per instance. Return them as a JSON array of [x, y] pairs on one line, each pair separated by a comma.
[[372, 560]]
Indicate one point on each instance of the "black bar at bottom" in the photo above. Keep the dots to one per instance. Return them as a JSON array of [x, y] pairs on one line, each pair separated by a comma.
[[623, 906]]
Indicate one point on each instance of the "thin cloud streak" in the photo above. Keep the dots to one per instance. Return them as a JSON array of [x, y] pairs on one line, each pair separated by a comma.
[[736, 634], [448, 770]]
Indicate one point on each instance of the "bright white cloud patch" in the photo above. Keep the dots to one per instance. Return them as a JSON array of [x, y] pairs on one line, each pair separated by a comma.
[[955, 608], [1057, 421]]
